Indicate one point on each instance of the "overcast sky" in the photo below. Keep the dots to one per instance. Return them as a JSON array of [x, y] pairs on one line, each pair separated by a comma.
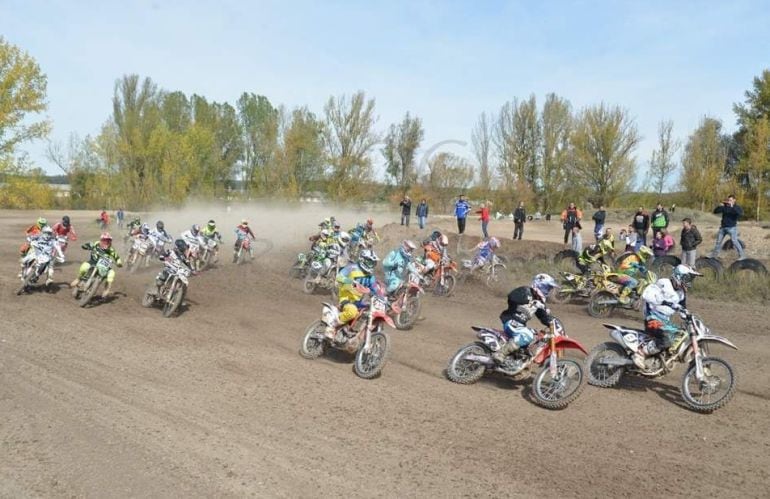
[[443, 61]]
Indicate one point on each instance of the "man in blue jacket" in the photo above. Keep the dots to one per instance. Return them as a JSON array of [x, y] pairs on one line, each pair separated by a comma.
[[462, 208], [731, 212]]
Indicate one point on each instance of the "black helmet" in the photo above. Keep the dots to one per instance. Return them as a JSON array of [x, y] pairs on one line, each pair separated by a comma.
[[159, 225], [65, 220], [435, 235], [180, 245]]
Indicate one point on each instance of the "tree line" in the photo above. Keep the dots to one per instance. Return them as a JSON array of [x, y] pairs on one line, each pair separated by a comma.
[[164, 147]]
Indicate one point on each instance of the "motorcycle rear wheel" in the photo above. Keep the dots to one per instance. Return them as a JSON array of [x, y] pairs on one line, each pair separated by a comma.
[[313, 347], [558, 392], [703, 402], [369, 364], [465, 372], [601, 375], [597, 309]]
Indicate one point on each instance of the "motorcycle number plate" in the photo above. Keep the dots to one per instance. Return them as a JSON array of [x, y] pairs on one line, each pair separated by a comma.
[[104, 263], [414, 279], [378, 306]]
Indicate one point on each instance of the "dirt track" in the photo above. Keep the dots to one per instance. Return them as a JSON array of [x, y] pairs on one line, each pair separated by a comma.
[[114, 400]]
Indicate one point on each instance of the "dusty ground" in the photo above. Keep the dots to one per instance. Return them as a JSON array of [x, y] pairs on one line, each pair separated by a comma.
[[115, 401]]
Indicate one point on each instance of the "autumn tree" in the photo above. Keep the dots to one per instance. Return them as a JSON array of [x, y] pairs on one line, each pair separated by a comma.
[[447, 174], [401, 144], [662, 163], [603, 141], [259, 120], [756, 163], [517, 137], [556, 125], [302, 151], [481, 139], [348, 138], [703, 163]]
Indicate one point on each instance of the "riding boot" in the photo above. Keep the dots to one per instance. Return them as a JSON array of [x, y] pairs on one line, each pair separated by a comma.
[[624, 297], [507, 349], [107, 289]]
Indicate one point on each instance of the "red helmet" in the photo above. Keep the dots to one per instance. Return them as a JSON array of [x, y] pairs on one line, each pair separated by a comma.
[[105, 240]]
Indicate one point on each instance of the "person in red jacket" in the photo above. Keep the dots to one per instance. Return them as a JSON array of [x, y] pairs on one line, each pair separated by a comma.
[[65, 229], [483, 211]]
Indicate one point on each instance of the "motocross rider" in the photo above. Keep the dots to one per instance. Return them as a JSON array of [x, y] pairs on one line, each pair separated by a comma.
[[435, 248], [524, 302], [32, 230], [99, 249], [65, 229], [484, 251], [159, 237], [397, 264], [210, 231], [45, 243], [661, 300], [353, 282], [592, 254], [630, 268], [194, 240], [176, 255], [242, 231]]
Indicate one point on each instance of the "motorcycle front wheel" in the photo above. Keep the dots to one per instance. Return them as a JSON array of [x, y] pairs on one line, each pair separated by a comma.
[[174, 301], [89, 290], [714, 391], [369, 363], [450, 281], [557, 392], [27, 276], [410, 313], [313, 344]]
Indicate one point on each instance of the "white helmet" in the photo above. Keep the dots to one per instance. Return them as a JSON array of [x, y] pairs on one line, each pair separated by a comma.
[[683, 275], [543, 284], [344, 238], [324, 233], [47, 232], [367, 260], [408, 247]]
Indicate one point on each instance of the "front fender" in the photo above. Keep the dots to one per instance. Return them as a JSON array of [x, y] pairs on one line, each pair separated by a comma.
[[562, 343], [385, 317], [717, 339]]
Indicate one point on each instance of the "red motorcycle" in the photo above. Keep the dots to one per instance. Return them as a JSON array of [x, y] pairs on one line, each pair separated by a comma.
[[406, 303], [558, 383], [443, 279]]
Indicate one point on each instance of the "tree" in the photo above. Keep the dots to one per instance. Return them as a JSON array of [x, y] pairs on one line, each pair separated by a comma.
[[556, 125], [756, 164], [259, 120], [662, 163], [22, 93], [447, 174], [757, 104], [603, 140], [348, 138], [703, 163], [401, 144], [517, 139], [302, 152], [481, 138]]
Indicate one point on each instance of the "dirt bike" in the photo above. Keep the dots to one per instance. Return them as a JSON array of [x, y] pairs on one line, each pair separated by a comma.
[[171, 292], [443, 279], [364, 337], [577, 285], [708, 383], [96, 275], [321, 275], [490, 272], [558, 383], [209, 252], [406, 302], [606, 297], [244, 249], [36, 263], [139, 254]]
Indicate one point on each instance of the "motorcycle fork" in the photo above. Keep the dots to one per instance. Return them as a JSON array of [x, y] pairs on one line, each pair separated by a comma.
[[368, 335], [553, 364], [698, 357]]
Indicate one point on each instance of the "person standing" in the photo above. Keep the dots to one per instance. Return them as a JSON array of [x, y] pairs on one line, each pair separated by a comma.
[[483, 212], [659, 220], [519, 217], [599, 217], [422, 213], [689, 240], [406, 210], [577, 239], [570, 217], [641, 224], [731, 212], [120, 215], [462, 208]]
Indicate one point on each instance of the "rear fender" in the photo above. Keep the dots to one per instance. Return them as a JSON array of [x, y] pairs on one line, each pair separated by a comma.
[[629, 341], [491, 340]]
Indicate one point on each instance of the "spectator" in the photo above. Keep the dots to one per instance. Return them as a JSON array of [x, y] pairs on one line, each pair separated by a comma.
[[569, 218], [662, 243], [641, 224], [519, 217], [659, 219], [422, 213], [406, 210], [577, 239], [599, 218], [120, 215], [629, 238], [104, 220], [462, 208], [483, 211], [689, 242], [673, 207], [731, 212]]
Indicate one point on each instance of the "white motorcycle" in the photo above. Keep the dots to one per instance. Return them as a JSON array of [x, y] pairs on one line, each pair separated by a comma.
[[39, 260]]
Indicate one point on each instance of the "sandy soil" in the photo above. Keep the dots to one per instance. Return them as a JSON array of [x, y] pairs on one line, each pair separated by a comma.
[[115, 401]]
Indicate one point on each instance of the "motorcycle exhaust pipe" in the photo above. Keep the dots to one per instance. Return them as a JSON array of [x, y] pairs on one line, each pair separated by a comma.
[[482, 359], [616, 362]]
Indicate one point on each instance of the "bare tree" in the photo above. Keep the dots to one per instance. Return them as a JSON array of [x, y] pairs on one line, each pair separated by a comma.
[[517, 138], [448, 174], [481, 138], [662, 163], [348, 138], [401, 144], [603, 141]]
